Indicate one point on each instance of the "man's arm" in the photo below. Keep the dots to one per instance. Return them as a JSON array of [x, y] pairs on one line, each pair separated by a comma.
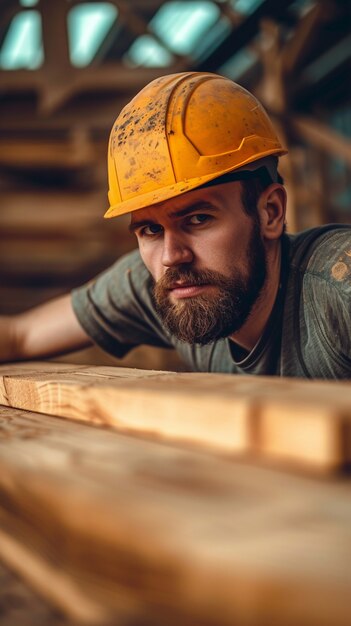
[[44, 331]]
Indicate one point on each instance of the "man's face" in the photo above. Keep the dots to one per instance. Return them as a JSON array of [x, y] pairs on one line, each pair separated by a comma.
[[207, 259]]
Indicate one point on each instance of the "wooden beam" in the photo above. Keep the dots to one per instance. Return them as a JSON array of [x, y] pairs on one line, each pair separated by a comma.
[[22, 120], [322, 136], [271, 89], [57, 66], [243, 34], [294, 422], [305, 36], [116, 530], [326, 64], [138, 5], [109, 77], [65, 154]]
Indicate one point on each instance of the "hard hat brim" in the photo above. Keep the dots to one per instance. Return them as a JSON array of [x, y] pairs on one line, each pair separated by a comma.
[[178, 188]]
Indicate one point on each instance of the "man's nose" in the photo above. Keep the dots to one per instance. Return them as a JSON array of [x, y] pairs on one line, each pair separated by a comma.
[[175, 250]]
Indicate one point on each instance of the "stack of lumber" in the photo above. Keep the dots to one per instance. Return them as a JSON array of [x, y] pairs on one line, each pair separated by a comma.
[[52, 240], [205, 500]]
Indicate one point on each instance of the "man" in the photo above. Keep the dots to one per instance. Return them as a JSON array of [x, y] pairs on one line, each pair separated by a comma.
[[193, 158]]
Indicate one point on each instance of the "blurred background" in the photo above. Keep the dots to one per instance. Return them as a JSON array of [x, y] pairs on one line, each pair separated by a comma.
[[68, 67]]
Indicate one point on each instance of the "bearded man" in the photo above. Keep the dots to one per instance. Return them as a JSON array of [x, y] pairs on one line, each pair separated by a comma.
[[193, 158]]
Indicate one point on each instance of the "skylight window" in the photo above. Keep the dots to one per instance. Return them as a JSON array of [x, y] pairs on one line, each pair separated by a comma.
[[28, 3], [88, 25], [23, 47], [246, 7], [147, 52], [181, 25]]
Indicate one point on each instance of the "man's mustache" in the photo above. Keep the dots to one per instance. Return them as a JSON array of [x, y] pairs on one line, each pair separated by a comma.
[[189, 276]]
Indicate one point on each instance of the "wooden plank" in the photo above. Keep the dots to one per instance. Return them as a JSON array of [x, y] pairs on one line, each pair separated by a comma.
[[291, 421], [170, 407], [114, 529]]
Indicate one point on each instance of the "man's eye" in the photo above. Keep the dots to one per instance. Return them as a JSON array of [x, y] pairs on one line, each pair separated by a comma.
[[199, 218], [151, 230]]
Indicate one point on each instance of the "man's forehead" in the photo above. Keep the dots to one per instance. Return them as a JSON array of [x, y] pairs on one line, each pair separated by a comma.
[[192, 199]]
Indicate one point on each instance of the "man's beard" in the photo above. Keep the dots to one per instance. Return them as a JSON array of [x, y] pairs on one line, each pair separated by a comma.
[[205, 318]]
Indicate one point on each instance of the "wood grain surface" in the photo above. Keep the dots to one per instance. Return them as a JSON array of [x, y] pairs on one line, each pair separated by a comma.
[[113, 529], [306, 423]]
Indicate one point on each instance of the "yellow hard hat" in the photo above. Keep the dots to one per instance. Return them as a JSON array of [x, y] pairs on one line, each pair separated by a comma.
[[180, 132]]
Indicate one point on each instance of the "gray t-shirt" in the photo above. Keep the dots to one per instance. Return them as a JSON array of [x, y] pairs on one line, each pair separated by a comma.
[[308, 333]]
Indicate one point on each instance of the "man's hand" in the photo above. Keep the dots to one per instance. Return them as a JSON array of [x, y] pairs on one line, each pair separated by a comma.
[[44, 331]]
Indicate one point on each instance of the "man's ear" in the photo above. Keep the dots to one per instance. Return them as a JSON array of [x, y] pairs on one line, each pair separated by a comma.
[[271, 209]]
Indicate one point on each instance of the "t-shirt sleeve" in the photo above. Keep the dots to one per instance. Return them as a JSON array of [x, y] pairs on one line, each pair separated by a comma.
[[327, 289], [116, 310]]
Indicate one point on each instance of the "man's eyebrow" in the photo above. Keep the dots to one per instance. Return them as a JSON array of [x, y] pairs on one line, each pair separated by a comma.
[[198, 206], [135, 225]]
